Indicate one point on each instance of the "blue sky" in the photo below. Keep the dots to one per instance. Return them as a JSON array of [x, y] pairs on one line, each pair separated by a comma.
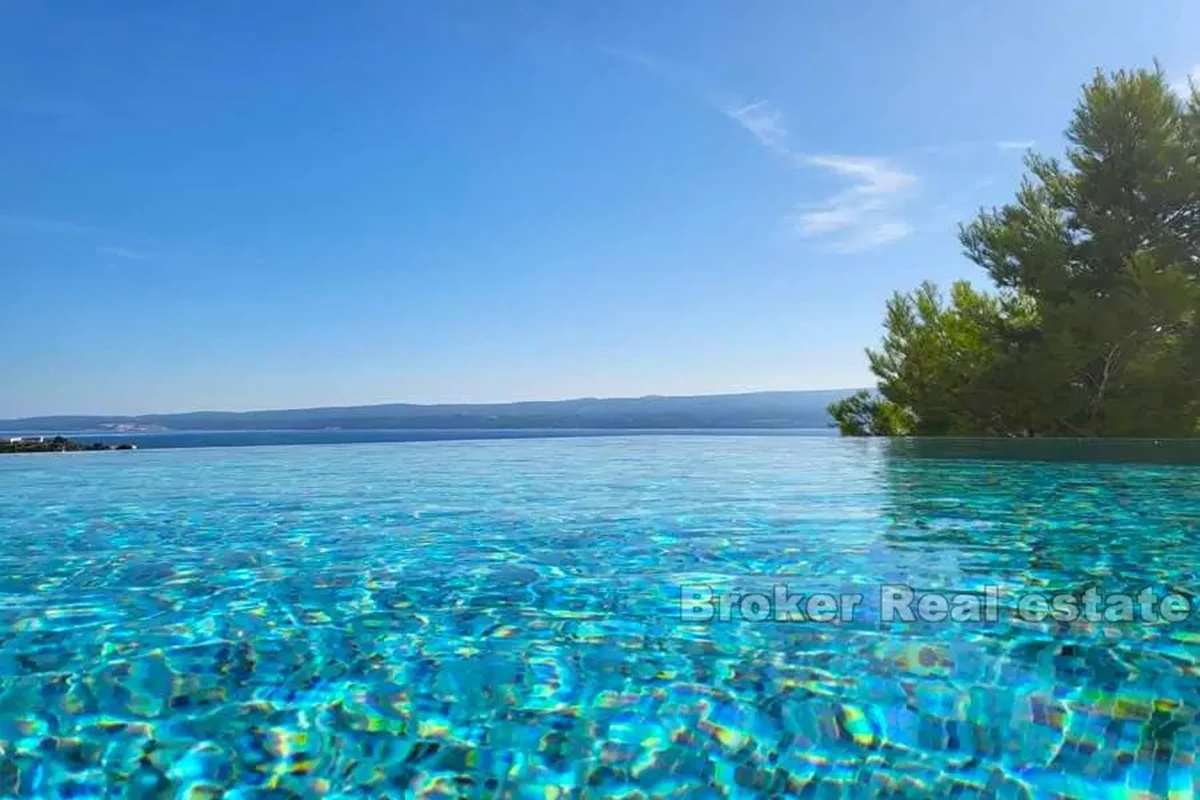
[[278, 204]]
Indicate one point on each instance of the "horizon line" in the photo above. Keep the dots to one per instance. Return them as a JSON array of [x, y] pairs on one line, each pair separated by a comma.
[[434, 405]]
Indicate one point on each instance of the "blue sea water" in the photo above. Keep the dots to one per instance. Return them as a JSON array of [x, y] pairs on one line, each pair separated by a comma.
[[253, 438], [517, 618]]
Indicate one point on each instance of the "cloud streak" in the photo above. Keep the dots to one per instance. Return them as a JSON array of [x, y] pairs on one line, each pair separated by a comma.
[[873, 176], [127, 253], [77, 234], [763, 122], [865, 215], [871, 236], [873, 207]]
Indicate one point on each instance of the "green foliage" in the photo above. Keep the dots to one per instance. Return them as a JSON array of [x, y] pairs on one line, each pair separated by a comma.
[[863, 414], [937, 357], [1094, 328]]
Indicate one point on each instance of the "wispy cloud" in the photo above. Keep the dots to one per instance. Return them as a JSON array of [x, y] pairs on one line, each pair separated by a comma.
[[762, 121], [667, 74], [128, 253], [866, 215], [868, 237], [77, 234], [873, 208], [968, 147], [873, 176]]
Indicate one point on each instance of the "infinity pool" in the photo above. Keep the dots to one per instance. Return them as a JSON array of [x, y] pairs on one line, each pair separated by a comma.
[[544, 618]]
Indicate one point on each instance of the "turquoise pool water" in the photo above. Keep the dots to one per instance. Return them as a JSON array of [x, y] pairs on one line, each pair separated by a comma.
[[510, 619]]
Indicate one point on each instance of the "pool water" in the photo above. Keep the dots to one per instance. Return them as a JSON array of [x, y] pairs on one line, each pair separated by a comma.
[[511, 619]]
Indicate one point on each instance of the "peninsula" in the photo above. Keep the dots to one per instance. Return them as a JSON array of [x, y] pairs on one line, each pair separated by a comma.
[[56, 444]]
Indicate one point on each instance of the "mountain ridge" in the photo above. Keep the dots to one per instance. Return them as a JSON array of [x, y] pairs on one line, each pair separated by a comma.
[[769, 409]]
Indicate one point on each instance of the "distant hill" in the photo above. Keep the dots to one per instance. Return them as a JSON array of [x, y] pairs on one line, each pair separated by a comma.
[[804, 409]]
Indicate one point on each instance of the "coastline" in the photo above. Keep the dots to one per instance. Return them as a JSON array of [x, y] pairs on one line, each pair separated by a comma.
[[57, 444], [158, 440]]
